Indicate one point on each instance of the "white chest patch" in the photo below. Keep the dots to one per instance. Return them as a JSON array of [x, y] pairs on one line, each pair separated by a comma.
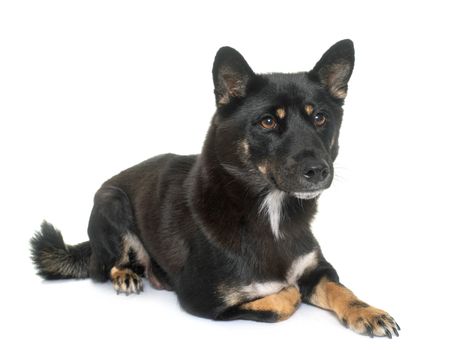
[[272, 206], [255, 290], [300, 266]]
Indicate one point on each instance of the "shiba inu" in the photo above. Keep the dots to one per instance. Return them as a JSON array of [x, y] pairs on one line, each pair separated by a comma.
[[229, 229]]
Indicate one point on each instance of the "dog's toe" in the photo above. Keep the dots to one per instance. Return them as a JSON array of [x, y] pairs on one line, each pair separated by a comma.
[[126, 281], [371, 321]]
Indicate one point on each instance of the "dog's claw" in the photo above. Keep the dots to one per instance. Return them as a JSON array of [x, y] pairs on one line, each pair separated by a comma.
[[388, 333], [395, 332], [369, 330], [126, 281], [383, 325]]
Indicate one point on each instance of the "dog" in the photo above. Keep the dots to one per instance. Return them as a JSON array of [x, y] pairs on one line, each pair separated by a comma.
[[229, 229]]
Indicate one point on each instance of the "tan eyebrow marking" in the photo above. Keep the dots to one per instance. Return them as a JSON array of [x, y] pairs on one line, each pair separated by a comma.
[[309, 109], [280, 112]]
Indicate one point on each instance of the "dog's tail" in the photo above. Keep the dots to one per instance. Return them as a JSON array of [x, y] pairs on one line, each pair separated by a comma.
[[56, 260]]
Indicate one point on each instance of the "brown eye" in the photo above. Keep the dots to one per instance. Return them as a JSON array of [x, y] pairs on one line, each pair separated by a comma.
[[268, 122], [319, 119]]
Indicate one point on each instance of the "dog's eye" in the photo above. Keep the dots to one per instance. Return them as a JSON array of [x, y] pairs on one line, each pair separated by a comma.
[[319, 119], [268, 122]]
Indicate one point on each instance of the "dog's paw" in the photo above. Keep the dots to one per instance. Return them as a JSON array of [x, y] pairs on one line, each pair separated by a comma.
[[365, 319], [126, 281]]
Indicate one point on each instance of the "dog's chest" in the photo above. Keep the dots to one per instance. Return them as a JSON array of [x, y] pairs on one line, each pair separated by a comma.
[[301, 265], [255, 290]]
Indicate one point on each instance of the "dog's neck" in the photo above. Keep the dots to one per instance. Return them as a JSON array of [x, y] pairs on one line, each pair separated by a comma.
[[222, 202]]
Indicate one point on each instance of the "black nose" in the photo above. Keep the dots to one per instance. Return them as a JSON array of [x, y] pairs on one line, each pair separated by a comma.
[[316, 172]]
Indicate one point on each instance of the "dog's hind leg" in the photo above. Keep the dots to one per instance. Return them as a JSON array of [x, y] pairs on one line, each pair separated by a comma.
[[117, 253], [127, 272]]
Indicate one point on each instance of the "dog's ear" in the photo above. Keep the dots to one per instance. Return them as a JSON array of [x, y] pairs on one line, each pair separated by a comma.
[[231, 75], [334, 69]]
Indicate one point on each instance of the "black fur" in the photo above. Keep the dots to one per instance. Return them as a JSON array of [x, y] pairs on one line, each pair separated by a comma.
[[56, 260], [236, 313], [111, 217], [200, 217], [310, 280]]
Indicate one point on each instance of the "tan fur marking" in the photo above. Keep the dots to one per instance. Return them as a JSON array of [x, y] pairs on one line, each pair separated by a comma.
[[232, 85], [237, 295], [332, 143], [263, 168], [125, 280], [116, 272], [283, 303], [243, 150], [332, 296], [334, 80], [245, 147], [223, 100], [280, 112], [339, 93], [349, 309], [309, 109]]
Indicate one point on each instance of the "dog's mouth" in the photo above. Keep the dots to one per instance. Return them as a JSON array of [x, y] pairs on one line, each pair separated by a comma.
[[300, 194], [307, 194], [292, 187]]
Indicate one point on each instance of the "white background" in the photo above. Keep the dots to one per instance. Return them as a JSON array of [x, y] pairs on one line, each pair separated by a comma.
[[89, 88]]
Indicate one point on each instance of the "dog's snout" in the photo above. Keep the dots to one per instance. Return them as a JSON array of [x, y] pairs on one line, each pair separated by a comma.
[[316, 172]]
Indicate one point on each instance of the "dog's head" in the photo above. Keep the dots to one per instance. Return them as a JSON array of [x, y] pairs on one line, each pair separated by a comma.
[[280, 131]]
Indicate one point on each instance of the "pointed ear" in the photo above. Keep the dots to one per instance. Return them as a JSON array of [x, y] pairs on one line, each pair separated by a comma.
[[335, 67], [231, 75]]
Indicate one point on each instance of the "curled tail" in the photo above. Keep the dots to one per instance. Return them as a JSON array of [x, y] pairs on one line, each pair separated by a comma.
[[56, 260]]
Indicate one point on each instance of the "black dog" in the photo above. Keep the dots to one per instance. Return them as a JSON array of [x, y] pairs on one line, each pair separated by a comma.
[[229, 230]]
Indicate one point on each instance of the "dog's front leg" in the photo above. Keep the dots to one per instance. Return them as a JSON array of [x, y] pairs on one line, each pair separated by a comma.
[[271, 308], [322, 288]]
